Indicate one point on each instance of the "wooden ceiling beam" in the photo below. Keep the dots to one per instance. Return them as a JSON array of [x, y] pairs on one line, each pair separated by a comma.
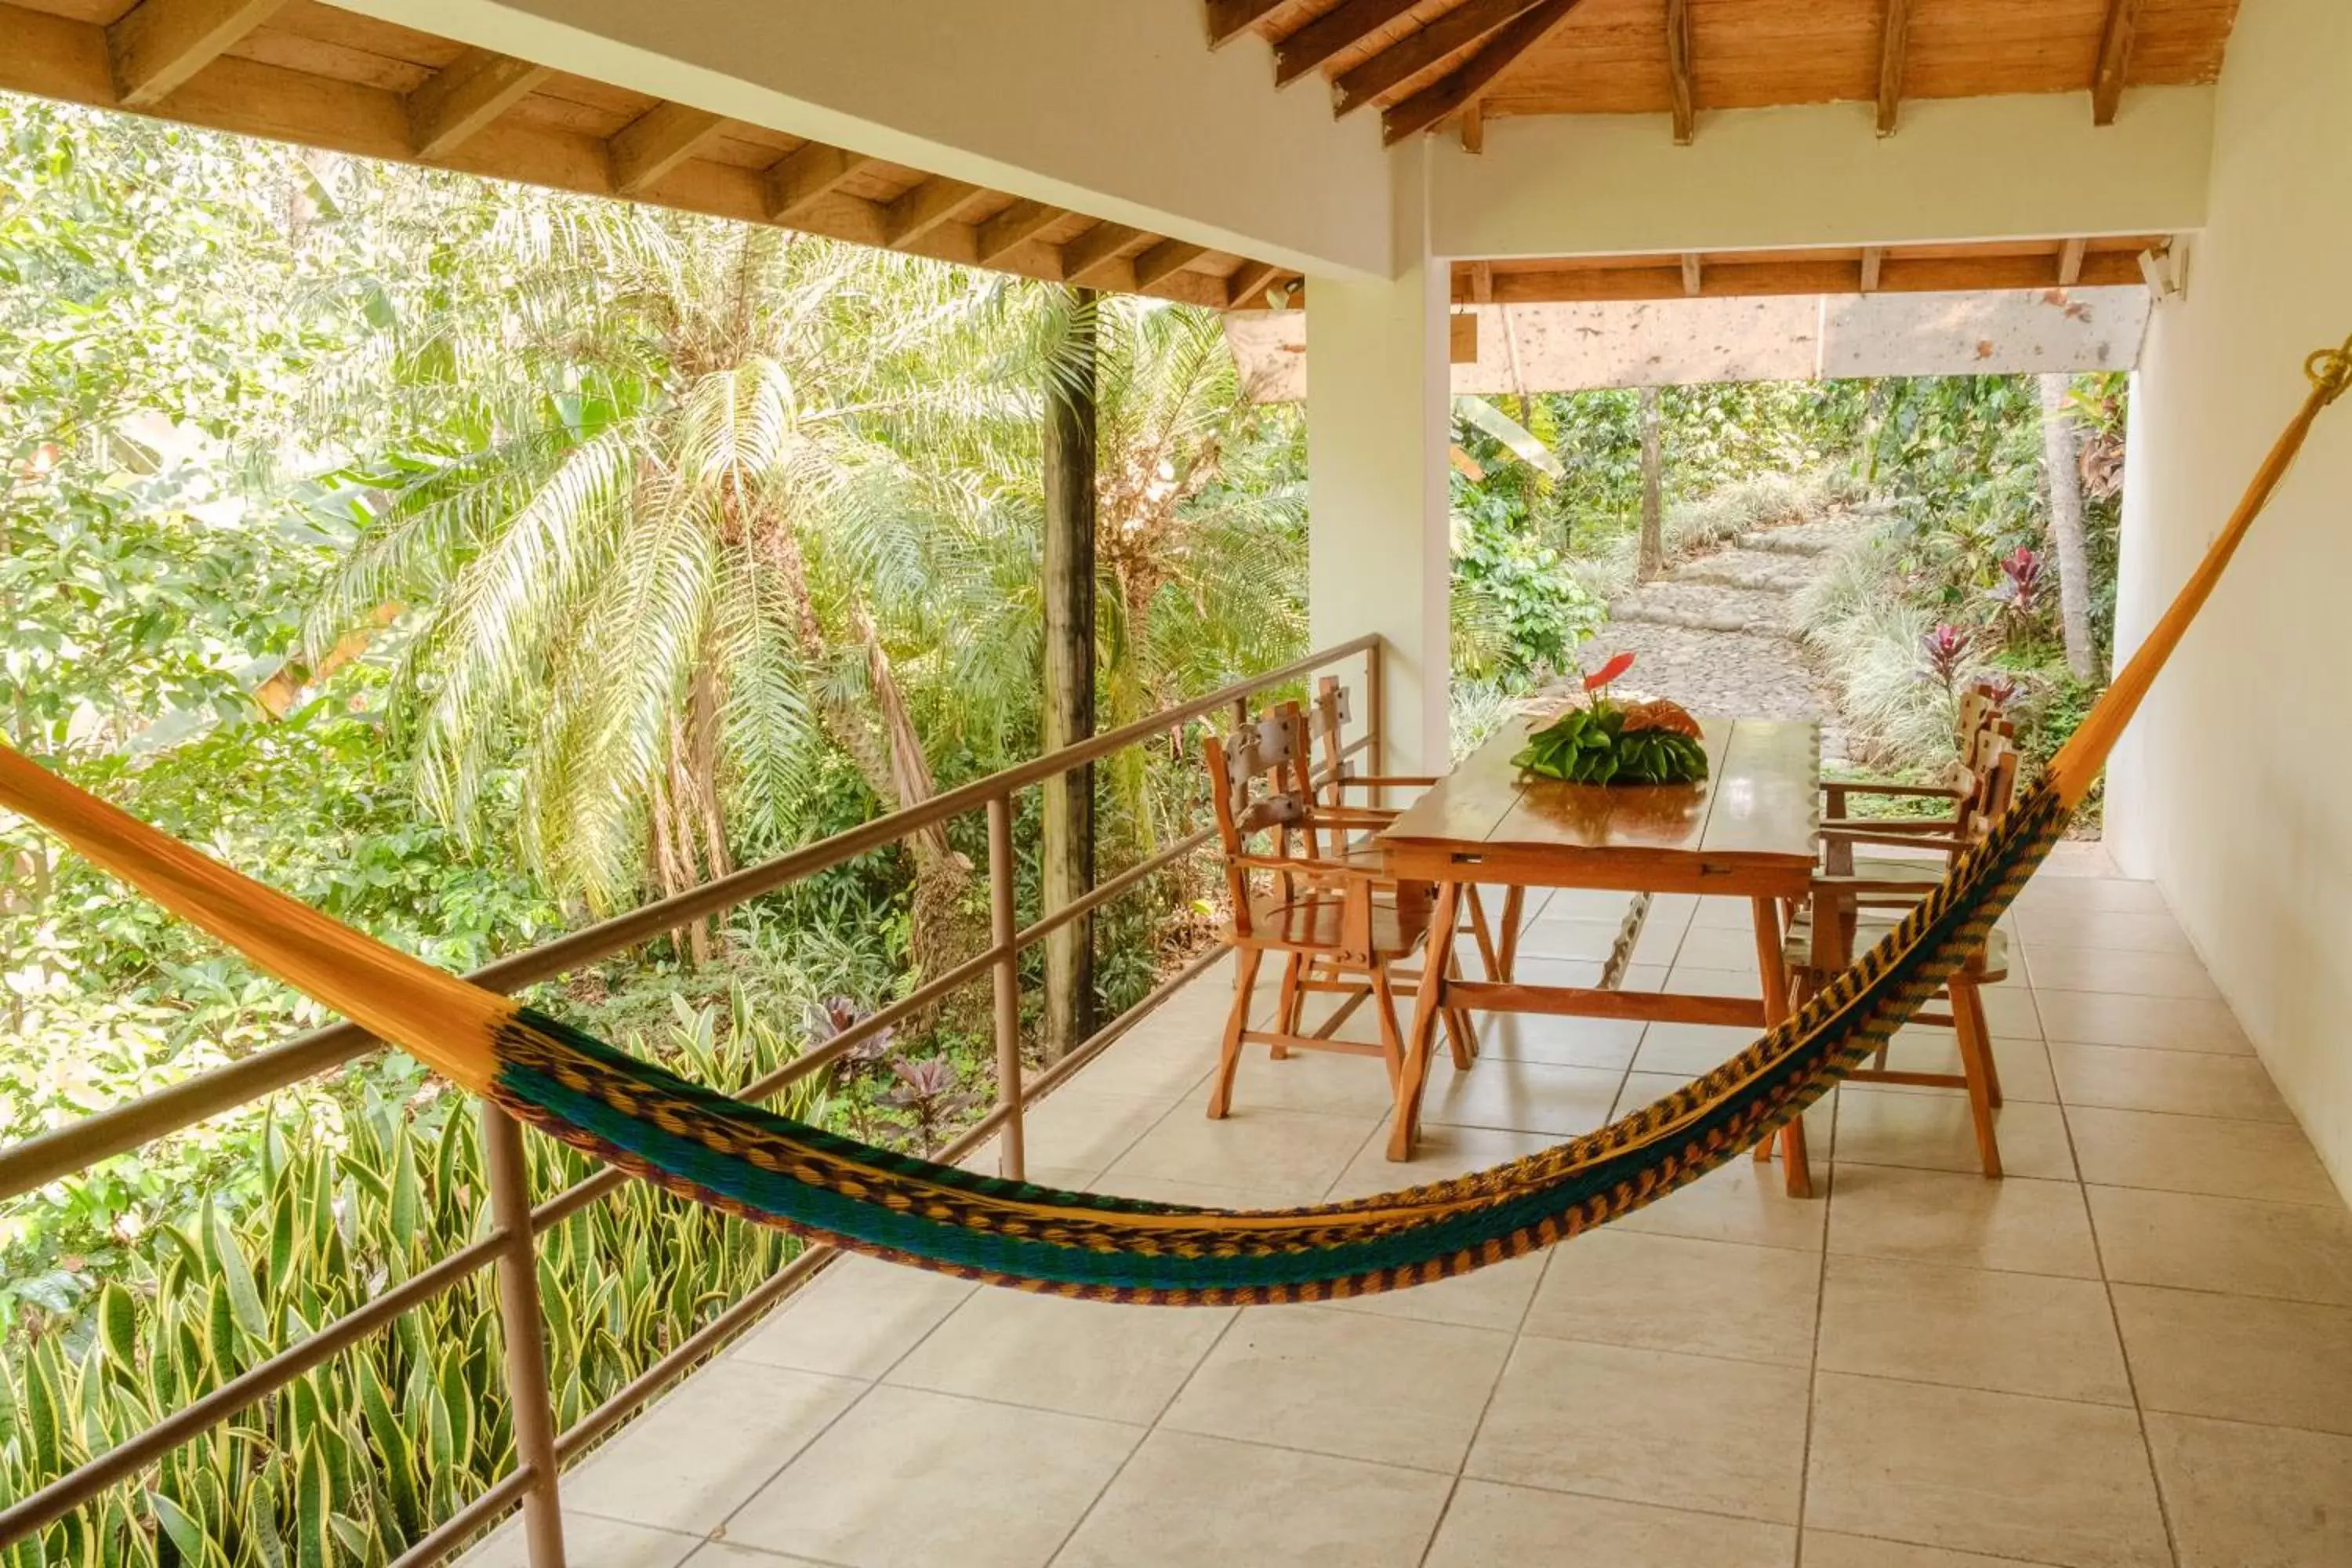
[[1678, 71], [918, 211], [1165, 260], [1332, 33], [2115, 60], [1229, 19], [160, 44], [1874, 259], [1473, 79], [466, 95], [1694, 277], [1482, 282], [1796, 273], [1245, 290], [1097, 248], [2069, 262], [1894, 53], [1409, 57], [805, 176], [1474, 126], [656, 141], [1015, 226]]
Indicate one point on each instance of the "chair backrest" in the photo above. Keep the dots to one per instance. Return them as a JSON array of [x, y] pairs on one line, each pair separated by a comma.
[[1271, 756], [1998, 788]]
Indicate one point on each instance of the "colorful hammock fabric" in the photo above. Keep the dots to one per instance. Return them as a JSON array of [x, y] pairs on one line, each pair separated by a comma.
[[708, 1147]]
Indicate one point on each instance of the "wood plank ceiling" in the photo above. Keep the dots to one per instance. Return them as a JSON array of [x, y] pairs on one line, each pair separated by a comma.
[[299, 71], [1430, 64]]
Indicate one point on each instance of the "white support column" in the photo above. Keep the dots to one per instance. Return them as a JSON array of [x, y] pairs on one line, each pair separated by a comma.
[[1378, 421]]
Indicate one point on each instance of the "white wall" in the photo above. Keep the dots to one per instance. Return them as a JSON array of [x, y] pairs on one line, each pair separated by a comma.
[[1113, 108], [1378, 421], [2236, 791], [1969, 168]]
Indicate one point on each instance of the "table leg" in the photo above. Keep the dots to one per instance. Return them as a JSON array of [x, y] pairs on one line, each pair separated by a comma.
[[1771, 963], [1515, 904], [1427, 1007]]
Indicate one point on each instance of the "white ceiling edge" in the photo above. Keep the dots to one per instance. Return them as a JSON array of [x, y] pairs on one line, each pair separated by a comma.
[[1680, 342]]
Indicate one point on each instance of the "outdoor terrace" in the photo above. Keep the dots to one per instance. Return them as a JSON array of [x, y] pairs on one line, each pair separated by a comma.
[[2136, 1349]]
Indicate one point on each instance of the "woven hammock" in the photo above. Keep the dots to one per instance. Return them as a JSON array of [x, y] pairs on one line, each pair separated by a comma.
[[704, 1145]]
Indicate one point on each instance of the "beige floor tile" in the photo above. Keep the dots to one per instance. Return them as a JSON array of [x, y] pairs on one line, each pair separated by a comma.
[[1520, 1097], [1670, 1293], [1827, 1549], [1390, 1390], [1294, 1153], [2297, 1252], [1440, 1153], [1690, 1048], [2118, 970], [2253, 1497], [727, 1554], [2199, 1154], [1084, 1358], [1733, 913], [1721, 1436], [2012, 1012], [1530, 970], [1741, 1201], [1589, 939], [911, 1476], [1163, 1068], [1705, 980], [588, 1542], [2107, 894], [2186, 1083], [1719, 947], [1077, 1129], [1974, 1328], [1602, 904], [2279, 1363], [1326, 1082], [1559, 1042], [1937, 1131], [2152, 1022], [710, 1444], [1187, 1501], [855, 1319], [2051, 926], [2023, 1064], [1494, 1297], [1939, 1216], [2045, 1479], [1492, 1526]]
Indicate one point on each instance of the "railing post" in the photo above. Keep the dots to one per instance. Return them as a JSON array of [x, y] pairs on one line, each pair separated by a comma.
[[1012, 1161], [1376, 760], [519, 1317]]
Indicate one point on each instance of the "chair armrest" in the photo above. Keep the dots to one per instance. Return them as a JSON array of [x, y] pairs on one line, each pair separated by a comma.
[[1302, 867], [1356, 780], [1897, 840], [1890, 824], [1938, 792]]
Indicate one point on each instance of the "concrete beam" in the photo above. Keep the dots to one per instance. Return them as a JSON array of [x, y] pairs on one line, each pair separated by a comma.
[[1119, 111], [1819, 175]]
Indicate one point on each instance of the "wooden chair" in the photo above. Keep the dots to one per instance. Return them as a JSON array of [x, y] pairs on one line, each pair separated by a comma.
[[1978, 723], [1852, 911], [1320, 913]]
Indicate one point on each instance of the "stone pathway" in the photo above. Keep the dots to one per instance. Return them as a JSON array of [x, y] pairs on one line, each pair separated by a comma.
[[1716, 633]]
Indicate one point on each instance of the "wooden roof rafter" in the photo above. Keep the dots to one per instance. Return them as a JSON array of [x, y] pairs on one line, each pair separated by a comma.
[[2055, 264], [1463, 89], [302, 71]]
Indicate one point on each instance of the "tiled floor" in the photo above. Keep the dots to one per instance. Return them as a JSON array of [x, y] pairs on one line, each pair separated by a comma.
[[2136, 1350]]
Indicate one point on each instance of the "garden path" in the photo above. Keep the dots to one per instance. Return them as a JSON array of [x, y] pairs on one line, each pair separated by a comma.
[[1717, 631]]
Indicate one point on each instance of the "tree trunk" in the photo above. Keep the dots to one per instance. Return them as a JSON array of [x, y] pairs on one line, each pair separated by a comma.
[[1069, 849], [2066, 480], [1653, 558]]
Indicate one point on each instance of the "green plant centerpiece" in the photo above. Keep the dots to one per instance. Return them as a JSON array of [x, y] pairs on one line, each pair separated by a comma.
[[1604, 743]]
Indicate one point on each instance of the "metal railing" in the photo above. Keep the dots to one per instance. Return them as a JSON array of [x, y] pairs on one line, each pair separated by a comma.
[[511, 1245]]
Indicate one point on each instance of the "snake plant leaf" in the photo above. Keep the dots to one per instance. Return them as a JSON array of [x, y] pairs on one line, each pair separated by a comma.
[[184, 1533], [407, 1199], [351, 1535], [228, 1260], [314, 1540], [220, 1333], [41, 1418], [117, 1327], [395, 1454]]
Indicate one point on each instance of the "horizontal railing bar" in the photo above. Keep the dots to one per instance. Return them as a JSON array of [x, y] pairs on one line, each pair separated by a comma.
[[1105, 892], [437, 1543], [78, 1487], [63, 1151]]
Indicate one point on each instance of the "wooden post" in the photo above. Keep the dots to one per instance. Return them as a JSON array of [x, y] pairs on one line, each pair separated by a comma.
[[1068, 869], [518, 1321], [1012, 1157]]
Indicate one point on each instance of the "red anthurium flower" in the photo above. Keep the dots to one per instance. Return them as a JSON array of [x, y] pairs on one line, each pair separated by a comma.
[[1609, 672]]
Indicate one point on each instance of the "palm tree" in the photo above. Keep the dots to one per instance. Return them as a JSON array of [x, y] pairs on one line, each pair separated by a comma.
[[651, 578]]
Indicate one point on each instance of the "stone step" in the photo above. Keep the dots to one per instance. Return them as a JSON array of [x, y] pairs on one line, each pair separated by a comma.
[[1703, 607], [1821, 538], [1757, 571]]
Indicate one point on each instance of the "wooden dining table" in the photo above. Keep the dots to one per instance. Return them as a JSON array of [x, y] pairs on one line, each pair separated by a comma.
[[1748, 830]]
